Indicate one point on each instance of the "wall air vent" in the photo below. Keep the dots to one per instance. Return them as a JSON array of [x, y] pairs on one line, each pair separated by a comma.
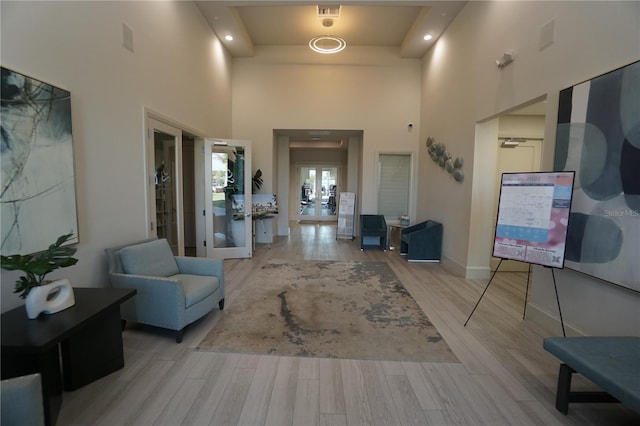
[[331, 12]]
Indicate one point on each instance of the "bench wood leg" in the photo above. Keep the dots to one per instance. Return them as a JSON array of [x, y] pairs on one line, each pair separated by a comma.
[[564, 395], [564, 388]]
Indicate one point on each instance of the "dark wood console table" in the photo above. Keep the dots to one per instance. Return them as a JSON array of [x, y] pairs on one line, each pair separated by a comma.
[[70, 348]]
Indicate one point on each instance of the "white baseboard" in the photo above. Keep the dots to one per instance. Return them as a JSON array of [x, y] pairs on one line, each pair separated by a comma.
[[550, 322], [478, 273], [470, 273]]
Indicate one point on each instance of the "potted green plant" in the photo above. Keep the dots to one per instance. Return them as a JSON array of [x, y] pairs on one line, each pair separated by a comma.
[[36, 267], [257, 181]]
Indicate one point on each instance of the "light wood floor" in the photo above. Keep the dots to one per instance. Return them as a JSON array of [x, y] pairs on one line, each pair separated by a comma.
[[504, 376]]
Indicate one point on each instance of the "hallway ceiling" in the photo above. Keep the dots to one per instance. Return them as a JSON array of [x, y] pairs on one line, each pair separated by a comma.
[[327, 139], [396, 24]]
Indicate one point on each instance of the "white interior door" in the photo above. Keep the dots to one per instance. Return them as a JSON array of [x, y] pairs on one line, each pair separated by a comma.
[[164, 183], [525, 157], [227, 198]]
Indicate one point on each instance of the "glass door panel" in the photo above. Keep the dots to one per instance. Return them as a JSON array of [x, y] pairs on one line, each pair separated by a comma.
[[307, 191], [318, 191], [228, 216], [328, 190], [164, 190]]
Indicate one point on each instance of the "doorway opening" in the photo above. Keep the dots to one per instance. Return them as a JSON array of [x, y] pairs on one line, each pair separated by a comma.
[[313, 168], [171, 185], [519, 144], [510, 142], [318, 188]]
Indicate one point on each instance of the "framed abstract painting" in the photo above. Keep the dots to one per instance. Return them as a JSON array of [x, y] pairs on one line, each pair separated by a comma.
[[38, 198], [598, 136]]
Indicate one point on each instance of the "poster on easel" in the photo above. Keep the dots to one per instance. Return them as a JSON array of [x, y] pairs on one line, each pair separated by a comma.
[[346, 215], [533, 214], [533, 218]]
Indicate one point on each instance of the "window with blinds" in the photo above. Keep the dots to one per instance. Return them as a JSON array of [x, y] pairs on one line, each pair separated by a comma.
[[394, 171]]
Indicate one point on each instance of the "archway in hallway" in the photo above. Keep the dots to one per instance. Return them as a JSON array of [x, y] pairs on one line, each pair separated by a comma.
[[328, 148]]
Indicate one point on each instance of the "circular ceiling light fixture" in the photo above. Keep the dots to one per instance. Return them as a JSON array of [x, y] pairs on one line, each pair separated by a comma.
[[428, 37], [327, 44]]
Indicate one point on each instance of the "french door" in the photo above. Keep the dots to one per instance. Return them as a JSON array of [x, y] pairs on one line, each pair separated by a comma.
[[164, 185], [227, 198], [318, 189]]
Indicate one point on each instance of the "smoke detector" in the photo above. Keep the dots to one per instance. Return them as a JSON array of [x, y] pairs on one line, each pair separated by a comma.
[[327, 22]]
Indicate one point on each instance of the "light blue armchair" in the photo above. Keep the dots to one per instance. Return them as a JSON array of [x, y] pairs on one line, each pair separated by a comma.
[[172, 291], [22, 402]]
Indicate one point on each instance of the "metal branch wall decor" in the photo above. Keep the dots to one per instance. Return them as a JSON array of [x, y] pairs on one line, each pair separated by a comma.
[[439, 154]]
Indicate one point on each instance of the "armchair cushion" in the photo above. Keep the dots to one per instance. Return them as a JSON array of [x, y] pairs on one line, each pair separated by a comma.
[[153, 258], [22, 402], [197, 287]]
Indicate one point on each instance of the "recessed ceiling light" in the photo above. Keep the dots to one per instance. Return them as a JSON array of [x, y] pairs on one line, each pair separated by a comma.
[[327, 44], [428, 37], [228, 38]]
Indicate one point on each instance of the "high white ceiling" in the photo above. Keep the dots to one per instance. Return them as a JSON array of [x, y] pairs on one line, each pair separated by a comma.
[[400, 24], [396, 24]]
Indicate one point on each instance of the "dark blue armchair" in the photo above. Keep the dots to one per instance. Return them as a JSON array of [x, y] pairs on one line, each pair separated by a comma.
[[422, 242], [373, 231]]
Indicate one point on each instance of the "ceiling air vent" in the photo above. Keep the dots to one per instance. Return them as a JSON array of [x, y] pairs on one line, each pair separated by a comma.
[[331, 12]]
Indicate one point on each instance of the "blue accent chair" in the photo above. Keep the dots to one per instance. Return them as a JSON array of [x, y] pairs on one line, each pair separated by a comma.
[[22, 401], [373, 231], [172, 291], [422, 242]]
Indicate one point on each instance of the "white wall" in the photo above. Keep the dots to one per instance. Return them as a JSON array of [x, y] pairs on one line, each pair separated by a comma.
[[462, 86], [521, 126], [178, 69], [368, 89]]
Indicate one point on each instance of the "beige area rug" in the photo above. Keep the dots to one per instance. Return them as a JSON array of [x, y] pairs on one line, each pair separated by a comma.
[[354, 310]]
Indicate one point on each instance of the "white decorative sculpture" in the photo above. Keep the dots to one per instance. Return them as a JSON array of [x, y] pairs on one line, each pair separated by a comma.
[[50, 298]]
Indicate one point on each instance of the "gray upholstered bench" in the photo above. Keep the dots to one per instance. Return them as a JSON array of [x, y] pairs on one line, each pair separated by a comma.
[[612, 363]]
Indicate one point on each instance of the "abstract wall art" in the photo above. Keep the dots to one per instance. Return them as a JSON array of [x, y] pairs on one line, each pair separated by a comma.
[[598, 136], [38, 198]]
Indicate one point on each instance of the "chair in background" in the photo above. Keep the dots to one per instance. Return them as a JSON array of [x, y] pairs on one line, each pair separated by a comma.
[[172, 291], [422, 242], [373, 231], [22, 402]]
